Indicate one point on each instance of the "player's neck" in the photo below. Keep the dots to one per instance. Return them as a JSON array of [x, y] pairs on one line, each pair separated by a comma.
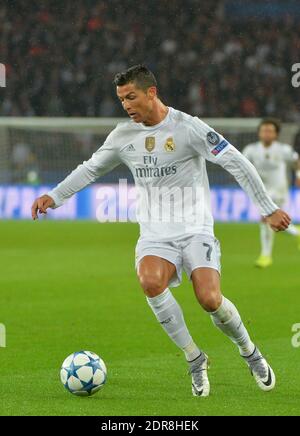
[[267, 144], [157, 115]]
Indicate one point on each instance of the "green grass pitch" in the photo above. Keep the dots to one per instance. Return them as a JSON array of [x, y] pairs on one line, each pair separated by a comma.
[[69, 286]]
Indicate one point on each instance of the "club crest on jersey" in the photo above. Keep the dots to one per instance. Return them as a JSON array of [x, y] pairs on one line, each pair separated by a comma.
[[169, 145], [150, 143], [213, 138]]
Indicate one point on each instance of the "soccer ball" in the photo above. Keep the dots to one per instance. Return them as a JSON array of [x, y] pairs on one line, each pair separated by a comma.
[[83, 373]]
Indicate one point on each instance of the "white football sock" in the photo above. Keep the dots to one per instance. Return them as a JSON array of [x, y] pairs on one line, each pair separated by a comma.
[[228, 320], [267, 239], [292, 230], [170, 316]]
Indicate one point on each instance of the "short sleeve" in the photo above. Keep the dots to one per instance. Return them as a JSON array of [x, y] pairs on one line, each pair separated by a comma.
[[206, 141]]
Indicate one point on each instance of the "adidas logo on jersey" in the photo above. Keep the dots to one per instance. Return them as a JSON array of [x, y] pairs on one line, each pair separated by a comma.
[[130, 147]]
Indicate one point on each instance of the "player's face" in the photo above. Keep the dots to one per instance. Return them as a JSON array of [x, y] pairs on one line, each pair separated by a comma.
[[136, 102], [267, 134]]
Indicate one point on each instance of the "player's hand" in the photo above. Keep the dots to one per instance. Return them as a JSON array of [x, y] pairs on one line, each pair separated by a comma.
[[41, 205], [279, 220]]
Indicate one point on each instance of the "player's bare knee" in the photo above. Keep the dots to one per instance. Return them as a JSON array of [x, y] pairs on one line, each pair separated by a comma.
[[209, 295], [152, 284], [211, 301]]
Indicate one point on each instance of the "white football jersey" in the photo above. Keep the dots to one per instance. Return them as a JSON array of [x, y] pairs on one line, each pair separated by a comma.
[[272, 164], [170, 156], [167, 161]]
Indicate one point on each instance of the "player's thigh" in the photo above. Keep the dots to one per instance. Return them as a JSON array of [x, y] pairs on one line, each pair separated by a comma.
[[154, 274], [201, 251], [207, 287]]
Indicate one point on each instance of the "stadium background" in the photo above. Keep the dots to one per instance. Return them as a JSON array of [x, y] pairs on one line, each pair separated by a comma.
[[226, 61], [229, 62]]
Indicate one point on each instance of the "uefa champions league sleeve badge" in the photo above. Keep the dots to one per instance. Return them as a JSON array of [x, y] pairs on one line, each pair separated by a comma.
[[213, 138]]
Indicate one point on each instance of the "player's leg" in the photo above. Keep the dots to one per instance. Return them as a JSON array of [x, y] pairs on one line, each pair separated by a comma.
[[206, 283], [267, 243], [225, 316], [155, 274], [202, 263]]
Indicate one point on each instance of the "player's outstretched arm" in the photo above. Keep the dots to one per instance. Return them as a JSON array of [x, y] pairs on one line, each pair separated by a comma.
[[214, 148], [81, 177], [248, 178], [103, 161]]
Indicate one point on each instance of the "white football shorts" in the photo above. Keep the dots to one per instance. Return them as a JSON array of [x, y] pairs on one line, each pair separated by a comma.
[[193, 252]]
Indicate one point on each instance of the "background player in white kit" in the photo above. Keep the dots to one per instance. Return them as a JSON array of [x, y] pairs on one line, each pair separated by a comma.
[[165, 147], [273, 161]]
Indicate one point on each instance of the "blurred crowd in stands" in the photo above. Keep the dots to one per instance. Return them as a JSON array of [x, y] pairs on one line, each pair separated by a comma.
[[61, 57]]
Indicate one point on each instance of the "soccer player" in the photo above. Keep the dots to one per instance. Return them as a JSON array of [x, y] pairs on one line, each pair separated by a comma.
[[167, 148], [273, 160]]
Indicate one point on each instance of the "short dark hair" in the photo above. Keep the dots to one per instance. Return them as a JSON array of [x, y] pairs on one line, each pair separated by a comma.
[[274, 121], [138, 74]]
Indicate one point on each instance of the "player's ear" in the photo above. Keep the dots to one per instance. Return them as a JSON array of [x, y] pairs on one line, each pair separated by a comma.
[[152, 92]]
